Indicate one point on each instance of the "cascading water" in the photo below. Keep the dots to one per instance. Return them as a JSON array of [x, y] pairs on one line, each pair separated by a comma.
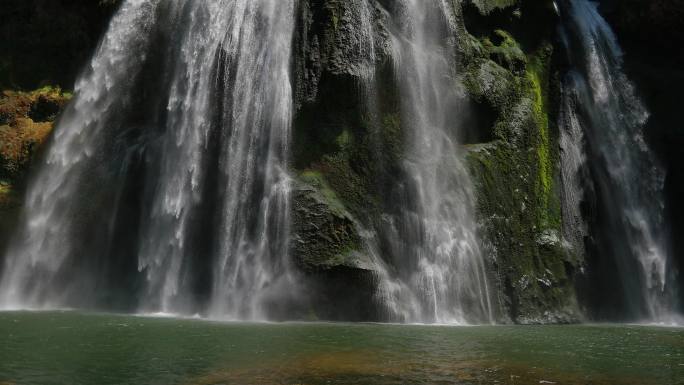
[[258, 114], [44, 244], [602, 121], [210, 155], [573, 163], [184, 114], [432, 238]]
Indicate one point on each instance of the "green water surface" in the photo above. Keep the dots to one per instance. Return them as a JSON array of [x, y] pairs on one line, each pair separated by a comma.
[[77, 348]]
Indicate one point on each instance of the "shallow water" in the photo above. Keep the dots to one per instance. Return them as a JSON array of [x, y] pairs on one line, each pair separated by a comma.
[[78, 348]]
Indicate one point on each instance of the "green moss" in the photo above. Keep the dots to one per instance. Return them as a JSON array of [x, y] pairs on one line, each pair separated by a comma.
[[317, 180], [53, 91], [335, 20], [352, 160], [532, 273], [516, 178], [545, 176], [335, 8], [507, 53], [344, 140], [538, 78]]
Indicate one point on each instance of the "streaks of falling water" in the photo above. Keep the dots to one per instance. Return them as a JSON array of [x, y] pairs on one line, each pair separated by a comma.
[[602, 106], [44, 240], [200, 30], [251, 41], [573, 163], [433, 238], [221, 130], [394, 299], [255, 226]]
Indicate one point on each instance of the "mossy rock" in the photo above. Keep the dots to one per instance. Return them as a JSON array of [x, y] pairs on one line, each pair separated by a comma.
[[534, 268], [505, 51], [488, 82], [325, 234], [516, 181]]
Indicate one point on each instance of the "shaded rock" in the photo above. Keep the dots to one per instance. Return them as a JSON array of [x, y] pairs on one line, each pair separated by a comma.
[[329, 250], [49, 41], [330, 39], [325, 235]]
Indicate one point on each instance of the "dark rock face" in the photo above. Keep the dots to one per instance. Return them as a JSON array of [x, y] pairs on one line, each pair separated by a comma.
[[329, 42]]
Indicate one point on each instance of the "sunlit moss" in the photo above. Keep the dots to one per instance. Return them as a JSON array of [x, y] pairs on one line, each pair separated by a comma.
[[541, 118], [538, 77]]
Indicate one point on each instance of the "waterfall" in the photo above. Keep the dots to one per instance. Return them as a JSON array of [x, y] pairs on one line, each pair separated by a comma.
[[165, 187], [603, 121], [432, 235], [573, 166], [44, 244], [209, 154]]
